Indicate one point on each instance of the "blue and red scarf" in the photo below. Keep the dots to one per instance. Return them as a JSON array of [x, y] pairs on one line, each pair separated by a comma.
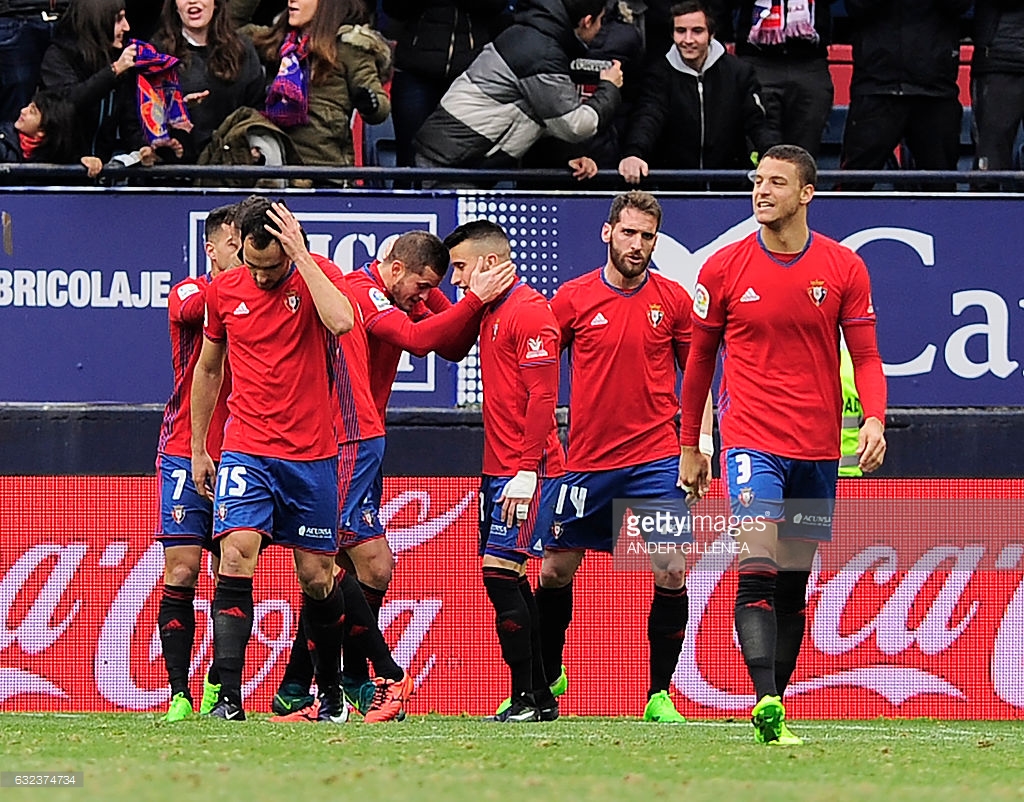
[[161, 105], [288, 95]]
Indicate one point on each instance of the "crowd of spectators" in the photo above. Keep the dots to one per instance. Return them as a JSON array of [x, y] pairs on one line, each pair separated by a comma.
[[579, 85]]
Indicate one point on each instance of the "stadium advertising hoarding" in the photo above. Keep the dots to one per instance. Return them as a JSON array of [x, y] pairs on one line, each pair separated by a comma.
[[912, 615], [84, 279]]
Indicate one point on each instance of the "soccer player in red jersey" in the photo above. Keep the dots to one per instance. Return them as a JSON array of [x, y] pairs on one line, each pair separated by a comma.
[[360, 435], [186, 517], [522, 458], [278, 476], [402, 310], [777, 300], [405, 311], [627, 330]]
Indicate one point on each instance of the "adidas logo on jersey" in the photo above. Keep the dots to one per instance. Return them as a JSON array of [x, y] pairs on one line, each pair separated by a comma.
[[241, 309], [599, 320], [749, 296]]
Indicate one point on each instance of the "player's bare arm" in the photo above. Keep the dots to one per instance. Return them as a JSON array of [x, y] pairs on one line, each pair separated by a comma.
[[706, 449], [871, 445], [488, 285], [206, 382], [695, 467], [694, 472], [332, 306]]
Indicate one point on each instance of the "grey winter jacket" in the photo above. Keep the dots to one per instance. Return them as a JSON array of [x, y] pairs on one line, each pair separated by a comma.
[[515, 92]]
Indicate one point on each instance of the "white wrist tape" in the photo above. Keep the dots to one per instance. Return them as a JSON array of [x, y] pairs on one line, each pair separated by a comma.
[[522, 485], [707, 445]]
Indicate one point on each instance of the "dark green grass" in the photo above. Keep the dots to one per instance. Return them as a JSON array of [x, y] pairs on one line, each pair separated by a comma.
[[132, 757]]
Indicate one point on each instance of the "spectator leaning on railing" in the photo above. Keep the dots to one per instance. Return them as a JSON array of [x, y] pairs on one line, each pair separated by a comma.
[[519, 89], [435, 40], [44, 132], [700, 109]]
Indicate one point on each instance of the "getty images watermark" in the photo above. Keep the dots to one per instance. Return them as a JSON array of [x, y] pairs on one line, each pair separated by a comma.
[[650, 527]]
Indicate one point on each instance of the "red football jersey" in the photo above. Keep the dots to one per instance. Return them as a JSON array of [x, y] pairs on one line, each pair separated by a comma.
[[280, 404], [519, 368], [436, 325], [625, 348], [780, 390], [185, 307], [355, 414]]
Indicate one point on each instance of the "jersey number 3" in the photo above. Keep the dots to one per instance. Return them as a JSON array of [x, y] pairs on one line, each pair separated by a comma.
[[743, 472]]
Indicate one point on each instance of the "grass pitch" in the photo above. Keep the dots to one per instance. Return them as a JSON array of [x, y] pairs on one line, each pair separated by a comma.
[[132, 757]]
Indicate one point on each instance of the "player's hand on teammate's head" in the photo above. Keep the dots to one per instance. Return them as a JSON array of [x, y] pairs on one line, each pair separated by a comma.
[[871, 445], [287, 230], [488, 283]]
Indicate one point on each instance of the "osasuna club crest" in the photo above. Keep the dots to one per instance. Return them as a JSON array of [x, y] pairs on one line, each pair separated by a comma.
[[746, 496], [292, 300], [817, 291], [178, 513], [655, 314]]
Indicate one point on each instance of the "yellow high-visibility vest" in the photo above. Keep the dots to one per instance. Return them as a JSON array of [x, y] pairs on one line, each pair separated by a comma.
[[853, 417]]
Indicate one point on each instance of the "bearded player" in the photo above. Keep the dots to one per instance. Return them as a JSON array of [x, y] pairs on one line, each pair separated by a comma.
[[627, 330]]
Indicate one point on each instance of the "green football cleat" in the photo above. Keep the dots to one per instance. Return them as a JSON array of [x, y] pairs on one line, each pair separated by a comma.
[[787, 738], [660, 708], [211, 693], [767, 717], [179, 710], [359, 694], [558, 687], [291, 697]]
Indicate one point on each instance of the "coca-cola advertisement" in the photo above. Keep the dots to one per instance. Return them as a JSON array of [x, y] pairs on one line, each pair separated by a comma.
[[915, 609]]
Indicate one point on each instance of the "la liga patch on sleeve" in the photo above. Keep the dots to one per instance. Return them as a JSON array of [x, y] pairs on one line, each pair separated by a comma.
[[701, 301], [379, 299]]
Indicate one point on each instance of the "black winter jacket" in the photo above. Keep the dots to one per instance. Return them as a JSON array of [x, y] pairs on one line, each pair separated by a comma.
[[440, 38], [686, 121], [32, 7], [10, 144], [998, 36], [106, 115], [247, 89], [906, 47]]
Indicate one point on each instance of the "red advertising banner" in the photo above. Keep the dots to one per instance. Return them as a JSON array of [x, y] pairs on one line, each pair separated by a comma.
[[908, 615]]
